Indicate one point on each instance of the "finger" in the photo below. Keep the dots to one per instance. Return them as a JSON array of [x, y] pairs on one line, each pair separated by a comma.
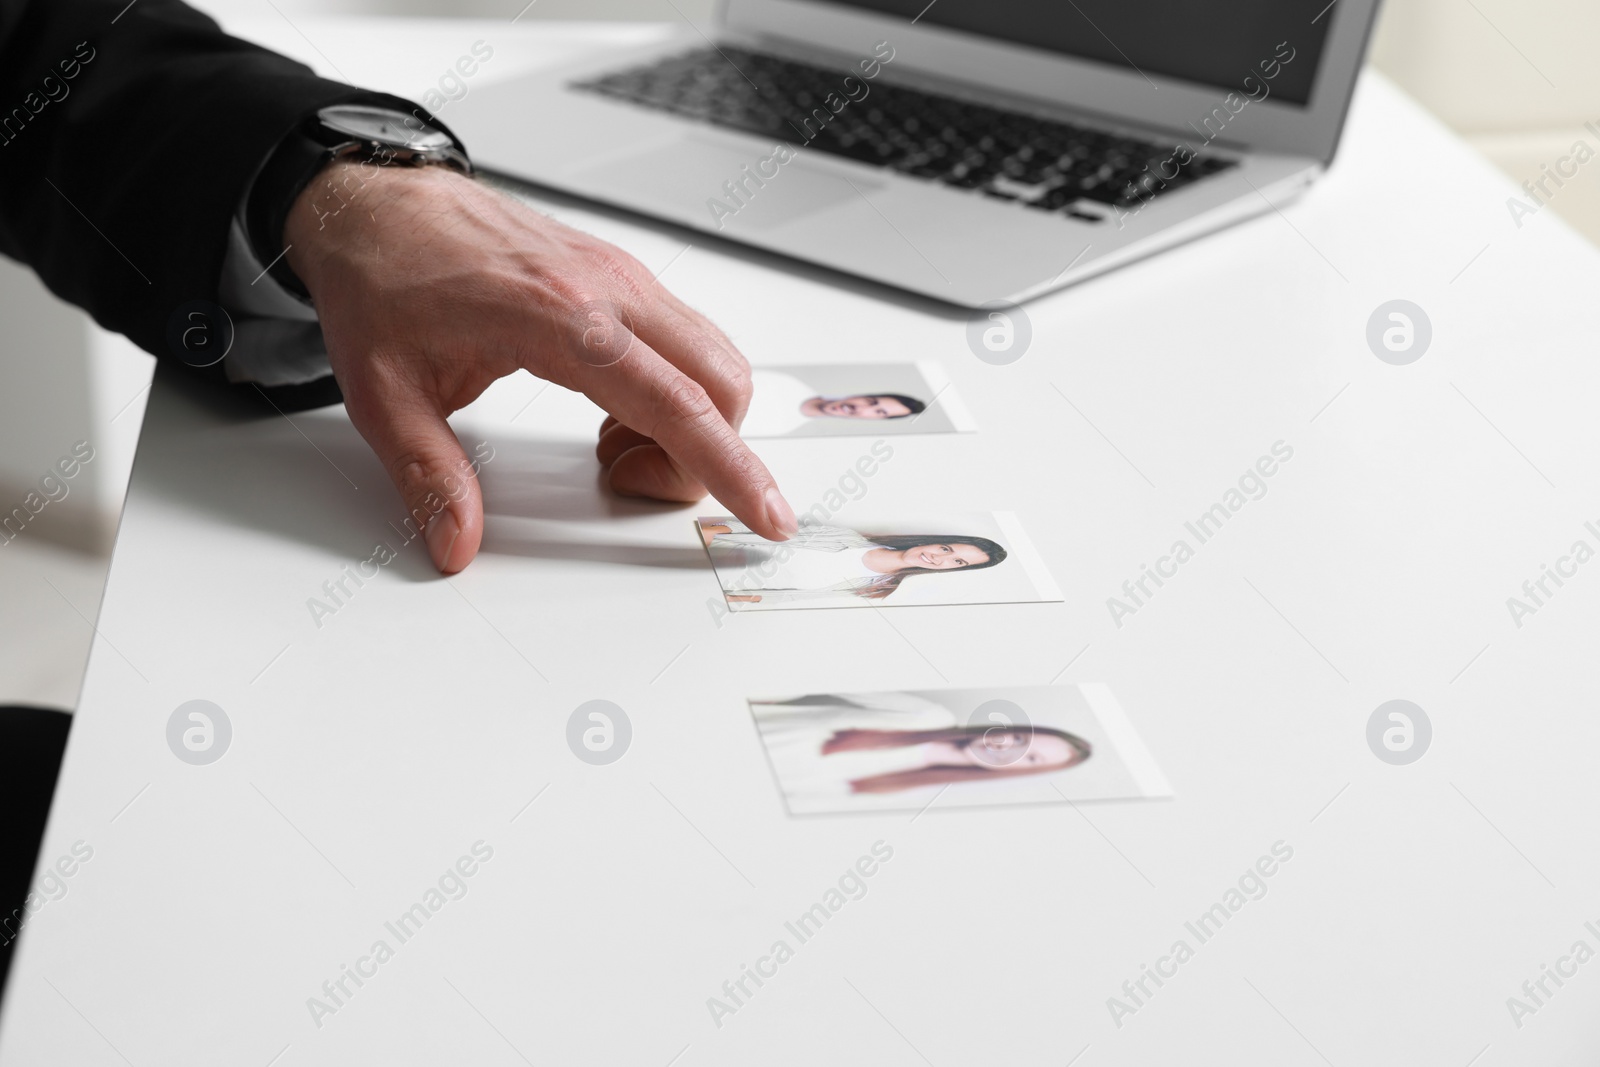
[[637, 466], [699, 321], [428, 466], [680, 334], [690, 342], [658, 400], [615, 439], [647, 471]]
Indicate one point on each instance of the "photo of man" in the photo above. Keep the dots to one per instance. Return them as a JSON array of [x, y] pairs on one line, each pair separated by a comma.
[[851, 400]]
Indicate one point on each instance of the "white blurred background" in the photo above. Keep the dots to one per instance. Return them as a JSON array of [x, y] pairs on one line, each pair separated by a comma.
[[1513, 77]]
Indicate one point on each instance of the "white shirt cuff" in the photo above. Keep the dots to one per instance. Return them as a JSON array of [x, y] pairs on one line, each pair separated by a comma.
[[277, 339]]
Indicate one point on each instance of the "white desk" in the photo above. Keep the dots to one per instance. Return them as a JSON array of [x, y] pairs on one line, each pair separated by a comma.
[[426, 715]]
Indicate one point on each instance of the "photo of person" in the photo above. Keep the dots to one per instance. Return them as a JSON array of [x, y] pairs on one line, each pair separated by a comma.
[[849, 400], [867, 564], [833, 752]]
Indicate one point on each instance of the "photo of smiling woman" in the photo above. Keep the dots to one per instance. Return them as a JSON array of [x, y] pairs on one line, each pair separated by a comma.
[[901, 749], [835, 563], [910, 759]]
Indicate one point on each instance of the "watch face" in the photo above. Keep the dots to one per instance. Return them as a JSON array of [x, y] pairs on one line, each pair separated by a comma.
[[385, 126]]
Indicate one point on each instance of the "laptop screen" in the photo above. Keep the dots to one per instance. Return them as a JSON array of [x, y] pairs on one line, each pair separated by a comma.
[[1216, 43]]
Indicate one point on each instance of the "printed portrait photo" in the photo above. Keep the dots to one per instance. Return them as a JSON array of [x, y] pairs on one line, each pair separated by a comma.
[[834, 400], [949, 558], [844, 752]]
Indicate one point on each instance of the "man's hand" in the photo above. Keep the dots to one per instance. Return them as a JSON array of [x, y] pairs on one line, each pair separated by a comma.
[[430, 286]]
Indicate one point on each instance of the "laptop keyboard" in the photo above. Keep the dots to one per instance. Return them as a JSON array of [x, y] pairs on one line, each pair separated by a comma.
[[1042, 163]]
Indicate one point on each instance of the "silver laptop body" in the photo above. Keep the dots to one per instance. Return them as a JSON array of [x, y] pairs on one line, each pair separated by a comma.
[[967, 246]]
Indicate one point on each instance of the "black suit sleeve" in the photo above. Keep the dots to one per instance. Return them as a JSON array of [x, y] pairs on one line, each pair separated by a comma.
[[128, 134]]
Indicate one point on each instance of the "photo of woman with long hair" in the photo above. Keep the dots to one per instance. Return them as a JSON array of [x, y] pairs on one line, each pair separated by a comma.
[[835, 563], [957, 754], [838, 752]]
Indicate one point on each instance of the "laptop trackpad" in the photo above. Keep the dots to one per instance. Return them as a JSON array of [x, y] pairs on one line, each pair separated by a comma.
[[730, 188]]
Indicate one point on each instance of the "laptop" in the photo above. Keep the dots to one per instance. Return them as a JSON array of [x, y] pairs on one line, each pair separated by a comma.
[[974, 151]]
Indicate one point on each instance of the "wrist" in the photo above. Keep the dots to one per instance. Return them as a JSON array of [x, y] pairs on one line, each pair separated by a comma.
[[327, 160], [337, 214]]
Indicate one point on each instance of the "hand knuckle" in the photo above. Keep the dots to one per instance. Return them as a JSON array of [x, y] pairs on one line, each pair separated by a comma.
[[687, 401], [736, 373], [618, 270]]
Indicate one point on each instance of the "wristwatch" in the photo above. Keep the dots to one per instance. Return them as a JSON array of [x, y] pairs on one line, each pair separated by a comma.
[[385, 136]]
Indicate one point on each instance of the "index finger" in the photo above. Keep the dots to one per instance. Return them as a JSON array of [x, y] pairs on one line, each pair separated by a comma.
[[649, 394], [695, 345]]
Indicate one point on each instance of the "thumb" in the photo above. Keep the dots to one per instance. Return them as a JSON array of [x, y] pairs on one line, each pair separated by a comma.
[[430, 469]]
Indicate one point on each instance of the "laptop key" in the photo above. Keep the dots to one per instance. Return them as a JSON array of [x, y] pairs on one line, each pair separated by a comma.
[[1040, 163]]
